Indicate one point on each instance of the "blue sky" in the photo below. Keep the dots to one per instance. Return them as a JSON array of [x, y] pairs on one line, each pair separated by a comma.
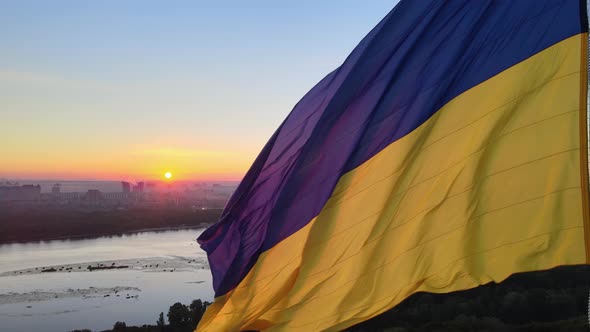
[[184, 85]]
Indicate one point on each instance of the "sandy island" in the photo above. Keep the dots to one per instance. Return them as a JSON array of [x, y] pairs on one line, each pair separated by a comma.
[[90, 292], [149, 264], [168, 264]]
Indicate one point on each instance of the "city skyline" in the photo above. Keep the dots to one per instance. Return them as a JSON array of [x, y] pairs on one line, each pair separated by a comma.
[[195, 89]]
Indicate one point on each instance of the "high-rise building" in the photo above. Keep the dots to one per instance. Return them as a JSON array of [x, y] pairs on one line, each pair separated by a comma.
[[139, 187], [126, 186], [56, 189]]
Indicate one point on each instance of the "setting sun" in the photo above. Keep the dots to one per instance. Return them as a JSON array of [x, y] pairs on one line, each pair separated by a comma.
[[168, 175]]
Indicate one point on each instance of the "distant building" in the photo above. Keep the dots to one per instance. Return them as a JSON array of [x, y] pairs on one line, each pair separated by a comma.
[[115, 196], [93, 195], [27, 192], [139, 187], [56, 189], [126, 186], [70, 197]]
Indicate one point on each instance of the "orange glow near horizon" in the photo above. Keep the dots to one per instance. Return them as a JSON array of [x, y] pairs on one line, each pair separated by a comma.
[[135, 165], [132, 177]]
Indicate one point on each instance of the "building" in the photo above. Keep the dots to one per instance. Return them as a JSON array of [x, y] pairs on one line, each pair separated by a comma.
[[70, 197], [139, 187], [56, 189], [93, 195], [126, 186], [27, 192]]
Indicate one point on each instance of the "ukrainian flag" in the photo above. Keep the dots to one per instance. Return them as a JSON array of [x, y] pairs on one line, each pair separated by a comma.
[[448, 151]]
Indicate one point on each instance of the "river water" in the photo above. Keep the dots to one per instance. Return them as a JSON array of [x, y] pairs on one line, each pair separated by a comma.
[[156, 269]]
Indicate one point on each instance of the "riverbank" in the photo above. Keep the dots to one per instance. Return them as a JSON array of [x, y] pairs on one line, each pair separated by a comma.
[[42, 224], [110, 234]]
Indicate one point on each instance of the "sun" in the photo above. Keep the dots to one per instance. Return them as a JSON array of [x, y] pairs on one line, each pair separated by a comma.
[[168, 175]]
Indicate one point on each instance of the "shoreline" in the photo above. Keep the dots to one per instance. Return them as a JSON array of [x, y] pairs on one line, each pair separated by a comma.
[[42, 225], [106, 234]]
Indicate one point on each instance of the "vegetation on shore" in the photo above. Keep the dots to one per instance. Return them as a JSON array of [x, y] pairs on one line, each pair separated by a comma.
[[42, 224], [553, 300], [181, 318]]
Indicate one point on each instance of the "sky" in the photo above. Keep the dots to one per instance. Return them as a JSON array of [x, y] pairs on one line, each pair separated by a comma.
[[111, 90]]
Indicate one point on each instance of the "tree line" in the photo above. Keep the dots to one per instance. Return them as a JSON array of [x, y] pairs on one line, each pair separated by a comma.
[[181, 318]]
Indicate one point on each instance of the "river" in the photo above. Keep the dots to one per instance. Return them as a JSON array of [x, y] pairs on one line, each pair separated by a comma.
[[130, 278]]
